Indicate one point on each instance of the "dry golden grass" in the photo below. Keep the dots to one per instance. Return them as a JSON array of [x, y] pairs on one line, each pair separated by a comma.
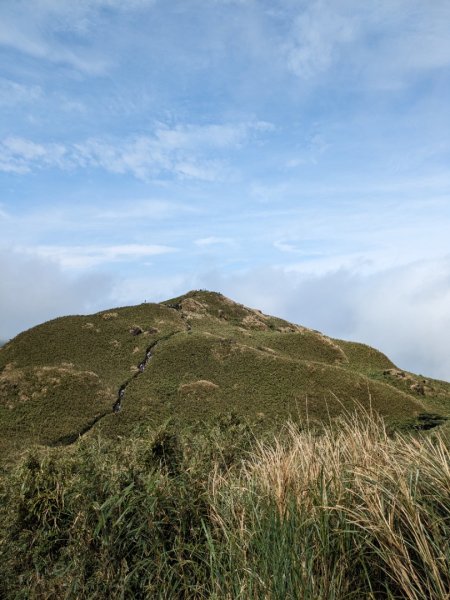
[[388, 497]]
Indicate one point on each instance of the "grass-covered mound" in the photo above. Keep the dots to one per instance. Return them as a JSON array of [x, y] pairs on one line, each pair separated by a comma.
[[334, 512], [205, 356]]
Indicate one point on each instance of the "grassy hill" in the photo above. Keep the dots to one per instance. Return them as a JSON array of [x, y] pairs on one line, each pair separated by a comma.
[[193, 358]]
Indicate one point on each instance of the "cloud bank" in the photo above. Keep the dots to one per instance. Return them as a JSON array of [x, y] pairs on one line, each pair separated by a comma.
[[35, 290], [402, 311]]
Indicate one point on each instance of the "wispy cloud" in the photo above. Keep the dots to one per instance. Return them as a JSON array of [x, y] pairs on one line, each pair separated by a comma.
[[19, 155], [317, 37], [13, 92], [4, 214], [215, 241], [329, 33], [137, 208], [88, 256], [182, 151], [38, 29], [286, 246]]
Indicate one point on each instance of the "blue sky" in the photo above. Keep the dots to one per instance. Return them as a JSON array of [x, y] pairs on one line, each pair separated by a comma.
[[292, 155]]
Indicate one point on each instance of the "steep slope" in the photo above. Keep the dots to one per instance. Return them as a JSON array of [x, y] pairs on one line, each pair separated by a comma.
[[193, 357]]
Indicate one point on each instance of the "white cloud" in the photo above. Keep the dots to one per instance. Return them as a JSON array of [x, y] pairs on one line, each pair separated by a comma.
[[26, 149], [151, 288], [204, 170], [213, 241], [13, 93], [401, 311], [209, 136], [4, 214], [86, 257], [37, 29], [36, 45], [285, 246], [406, 312], [137, 208], [182, 151], [35, 290], [410, 25], [380, 41], [318, 35], [19, 155], [146, 157]]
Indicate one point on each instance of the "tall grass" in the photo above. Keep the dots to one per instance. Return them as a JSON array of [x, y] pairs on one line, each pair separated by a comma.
[[347, 511], [350, 513]]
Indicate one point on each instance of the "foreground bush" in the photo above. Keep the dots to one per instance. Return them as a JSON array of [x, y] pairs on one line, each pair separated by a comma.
[[345, 512]]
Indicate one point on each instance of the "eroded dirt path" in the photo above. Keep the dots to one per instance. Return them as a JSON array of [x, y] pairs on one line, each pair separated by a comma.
[[117, 407]]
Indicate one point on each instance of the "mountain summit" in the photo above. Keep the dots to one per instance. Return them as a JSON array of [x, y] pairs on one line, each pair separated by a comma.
[[193, 358]]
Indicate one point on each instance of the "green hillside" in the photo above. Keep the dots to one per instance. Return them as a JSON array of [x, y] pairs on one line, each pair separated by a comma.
[[193, 358]]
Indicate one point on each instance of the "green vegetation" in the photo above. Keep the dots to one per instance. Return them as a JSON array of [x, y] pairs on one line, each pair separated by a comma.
[[341, 511], [210, 356], [234, 465]]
